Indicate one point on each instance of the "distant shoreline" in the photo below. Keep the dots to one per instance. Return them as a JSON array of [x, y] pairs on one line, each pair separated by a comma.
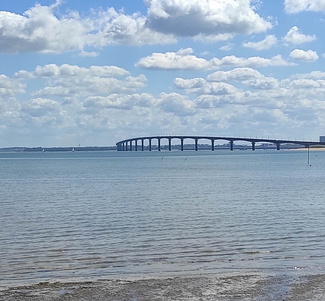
[[311, 149], [113, 148], [58, 149]]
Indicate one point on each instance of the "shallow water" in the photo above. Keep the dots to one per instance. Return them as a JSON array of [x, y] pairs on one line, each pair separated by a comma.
[[93, 215]]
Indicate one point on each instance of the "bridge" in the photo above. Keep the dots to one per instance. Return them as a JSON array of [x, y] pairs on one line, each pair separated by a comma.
[[133, 143]]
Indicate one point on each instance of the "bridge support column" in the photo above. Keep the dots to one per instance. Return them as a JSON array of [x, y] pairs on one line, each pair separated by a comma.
[[150, 144], [182, 144], [278, 146], [126, 146], [212, 144], [131, 146], [231, 145], [253, 146], [136, 144], [196, 146], [169, 144], [159, 145], [142, 144]]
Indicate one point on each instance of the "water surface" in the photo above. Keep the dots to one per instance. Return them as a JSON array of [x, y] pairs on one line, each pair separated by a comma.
[[90, 215]]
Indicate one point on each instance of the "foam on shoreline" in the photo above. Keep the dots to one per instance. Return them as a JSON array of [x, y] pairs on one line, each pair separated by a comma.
[[210, 287]]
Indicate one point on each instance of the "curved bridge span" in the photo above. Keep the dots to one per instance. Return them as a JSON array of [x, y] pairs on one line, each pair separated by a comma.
[[133, 143]]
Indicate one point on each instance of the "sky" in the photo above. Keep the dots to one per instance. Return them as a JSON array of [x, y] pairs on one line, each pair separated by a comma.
[[92, 73]]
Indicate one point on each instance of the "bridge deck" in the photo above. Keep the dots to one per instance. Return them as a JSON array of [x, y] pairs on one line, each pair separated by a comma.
[[128, 144]]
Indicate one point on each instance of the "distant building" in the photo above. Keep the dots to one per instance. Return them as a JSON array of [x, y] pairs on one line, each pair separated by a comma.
[[321, 138]]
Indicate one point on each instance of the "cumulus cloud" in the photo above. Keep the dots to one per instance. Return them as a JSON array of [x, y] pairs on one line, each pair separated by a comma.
[[267, 43], [296, 6], [73, 82], [302, 55], [311, 75], [246, 76], [206, 17], [237, 86], [182, 59], [10, 86], [39, 29], [42, 111], [238, 74], [110, 98], [118, 101], [52, 70], [118, 28], [185, 60], [201, 86], [176, 104], [294, 36]]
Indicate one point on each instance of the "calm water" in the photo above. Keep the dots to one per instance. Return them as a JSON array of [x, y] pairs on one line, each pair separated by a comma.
[[108, 214]]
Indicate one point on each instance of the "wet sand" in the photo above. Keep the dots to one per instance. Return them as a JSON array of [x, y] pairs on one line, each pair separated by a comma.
[[198, 288]]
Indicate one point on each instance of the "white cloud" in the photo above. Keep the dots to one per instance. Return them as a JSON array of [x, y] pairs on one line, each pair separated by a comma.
[[177, 104], [74, 82], [302, 55], [296, 6], [185, 60], [226, 47], [40, 30], [118, 28], [267, 43], [254, 61], [238, 74], [294, 36], [118, 101], [182, 59], [88, 54], [233, 100], [66, 70], [42, 111], [311, 75], [247, 76], [10, 87], [201, 86], [307, 84], [204, 17]]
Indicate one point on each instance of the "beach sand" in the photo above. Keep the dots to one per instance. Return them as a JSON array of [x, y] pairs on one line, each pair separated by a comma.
[[196, 288]]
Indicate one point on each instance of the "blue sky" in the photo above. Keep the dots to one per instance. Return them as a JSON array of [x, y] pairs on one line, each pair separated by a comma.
[[96, 72]]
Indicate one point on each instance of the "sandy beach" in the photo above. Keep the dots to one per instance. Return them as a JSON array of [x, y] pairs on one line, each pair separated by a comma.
[[203, 288]]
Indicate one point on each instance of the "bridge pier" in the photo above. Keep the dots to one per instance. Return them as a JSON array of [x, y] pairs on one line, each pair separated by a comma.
[[182, 144], [169, 144], [196, 145], [278, 146], [253, 146], [212, 144], [231, 145], [159, 145], [136, 144]]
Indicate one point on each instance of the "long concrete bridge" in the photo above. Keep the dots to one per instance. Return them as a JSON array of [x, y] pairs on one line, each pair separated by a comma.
[[132, 144]]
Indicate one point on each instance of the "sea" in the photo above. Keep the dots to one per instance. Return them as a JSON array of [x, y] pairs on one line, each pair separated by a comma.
[[75, 216]]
